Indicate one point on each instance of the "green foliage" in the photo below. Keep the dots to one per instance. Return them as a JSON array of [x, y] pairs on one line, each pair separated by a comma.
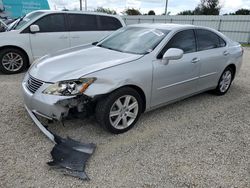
[[151, 12], [106, 10], [245, 45], [131, 11], [186, 12], [209, 7], [206, 7], [241, 12]]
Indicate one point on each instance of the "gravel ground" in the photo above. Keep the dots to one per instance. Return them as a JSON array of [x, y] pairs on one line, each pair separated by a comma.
[[203, 141]]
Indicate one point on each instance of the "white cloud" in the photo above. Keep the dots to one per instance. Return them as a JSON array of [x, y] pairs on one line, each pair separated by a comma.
[[233, 5]]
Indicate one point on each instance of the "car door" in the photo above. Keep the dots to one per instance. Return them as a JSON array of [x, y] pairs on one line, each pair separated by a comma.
[[213, 54], [51, 37], [177, 78], [83, 29]]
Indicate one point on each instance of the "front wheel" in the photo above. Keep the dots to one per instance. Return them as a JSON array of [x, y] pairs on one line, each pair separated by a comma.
[[12, 61], [225, 81], [120, 110]]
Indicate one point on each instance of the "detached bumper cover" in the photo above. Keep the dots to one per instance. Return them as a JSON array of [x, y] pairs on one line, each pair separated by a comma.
[[40, 125], [69, 156]]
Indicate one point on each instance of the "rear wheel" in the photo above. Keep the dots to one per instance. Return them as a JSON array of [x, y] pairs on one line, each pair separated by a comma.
[[12, 61], [120, 110], [225, 81]]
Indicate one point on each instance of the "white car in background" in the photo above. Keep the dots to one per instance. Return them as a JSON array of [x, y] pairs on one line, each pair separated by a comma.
[[42, 32]]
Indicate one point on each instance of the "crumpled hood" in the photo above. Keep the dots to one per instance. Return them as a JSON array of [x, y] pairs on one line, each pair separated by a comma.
[[76, 62]]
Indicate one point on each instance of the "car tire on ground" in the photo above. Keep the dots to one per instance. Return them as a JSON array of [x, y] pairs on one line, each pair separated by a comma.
[[120, 110], [13, 61], [225, 82]]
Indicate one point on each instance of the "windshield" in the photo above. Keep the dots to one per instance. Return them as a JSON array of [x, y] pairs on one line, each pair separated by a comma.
[[19, 23], [136, 40]]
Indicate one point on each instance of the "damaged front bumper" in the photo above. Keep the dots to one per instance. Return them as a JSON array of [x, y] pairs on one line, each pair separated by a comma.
[[69, 156], [52, 107]]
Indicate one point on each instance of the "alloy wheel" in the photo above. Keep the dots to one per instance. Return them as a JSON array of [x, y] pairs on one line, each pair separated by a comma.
[[12, 61], [225, 81], [123, 112]]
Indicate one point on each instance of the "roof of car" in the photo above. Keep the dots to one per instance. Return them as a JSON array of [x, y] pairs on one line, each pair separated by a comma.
[[163, 26], [74, 12]]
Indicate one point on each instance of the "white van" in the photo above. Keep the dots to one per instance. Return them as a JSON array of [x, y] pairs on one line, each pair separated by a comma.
[[42, 32]]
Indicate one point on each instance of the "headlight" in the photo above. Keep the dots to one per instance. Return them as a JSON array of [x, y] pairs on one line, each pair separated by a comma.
[[69, 87]]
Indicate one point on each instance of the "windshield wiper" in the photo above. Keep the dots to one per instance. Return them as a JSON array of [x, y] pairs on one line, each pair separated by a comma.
[[100, 45], [17, 23]]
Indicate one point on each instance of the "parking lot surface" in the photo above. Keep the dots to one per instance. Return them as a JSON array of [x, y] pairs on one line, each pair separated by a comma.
[[203, 141]]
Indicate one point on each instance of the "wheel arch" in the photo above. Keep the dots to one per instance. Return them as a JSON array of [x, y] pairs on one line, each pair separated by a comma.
[[233, 67], [19, 48], [135, 87], [140, 92]]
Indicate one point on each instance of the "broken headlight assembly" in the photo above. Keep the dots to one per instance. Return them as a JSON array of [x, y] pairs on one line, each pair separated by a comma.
[[69, 87]]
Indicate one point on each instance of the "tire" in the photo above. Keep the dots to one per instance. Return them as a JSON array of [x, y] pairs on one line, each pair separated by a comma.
[[111, 114], [225, 80], [13, 61]]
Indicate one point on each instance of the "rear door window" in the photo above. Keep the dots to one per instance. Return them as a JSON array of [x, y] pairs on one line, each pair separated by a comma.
[[51, 23], [82, 22], [108, 23], [207, 40]]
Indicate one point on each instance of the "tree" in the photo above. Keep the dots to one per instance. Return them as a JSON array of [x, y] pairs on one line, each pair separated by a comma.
[[206, 7], [151, 12], [242, 12], [131, 11], [105, 10], [186, 12]]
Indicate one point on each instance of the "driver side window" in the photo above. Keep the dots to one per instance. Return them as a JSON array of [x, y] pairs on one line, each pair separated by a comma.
[[51, 23], [184, 40]]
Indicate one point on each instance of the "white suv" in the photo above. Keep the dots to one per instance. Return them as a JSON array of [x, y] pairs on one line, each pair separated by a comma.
[[43, 32]]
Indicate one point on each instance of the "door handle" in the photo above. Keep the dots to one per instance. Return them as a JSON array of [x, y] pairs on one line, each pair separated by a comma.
[[195, 60], [225, 53]]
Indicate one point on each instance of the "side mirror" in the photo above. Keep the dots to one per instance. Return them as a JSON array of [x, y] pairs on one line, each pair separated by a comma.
[[94, 43], [34, 28], [172, 54]]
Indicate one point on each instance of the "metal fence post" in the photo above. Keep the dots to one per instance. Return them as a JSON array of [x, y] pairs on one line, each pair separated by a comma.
[[248, 41], [139, 20], [219, 26], [192, 21]]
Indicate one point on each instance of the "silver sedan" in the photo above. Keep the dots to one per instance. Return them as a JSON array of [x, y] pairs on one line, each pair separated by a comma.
[[136, 69]]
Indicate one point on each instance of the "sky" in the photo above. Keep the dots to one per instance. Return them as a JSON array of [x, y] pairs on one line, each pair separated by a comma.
[[174, 6]]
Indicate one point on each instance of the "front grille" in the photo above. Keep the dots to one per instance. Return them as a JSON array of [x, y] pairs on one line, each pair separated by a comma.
[[33, 84]]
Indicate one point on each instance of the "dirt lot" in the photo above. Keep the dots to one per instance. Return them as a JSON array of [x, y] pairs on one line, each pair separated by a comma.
[[203, 141]]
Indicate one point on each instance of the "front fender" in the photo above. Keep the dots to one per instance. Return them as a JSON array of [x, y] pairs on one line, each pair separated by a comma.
[[137, 73], [21, 41]]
